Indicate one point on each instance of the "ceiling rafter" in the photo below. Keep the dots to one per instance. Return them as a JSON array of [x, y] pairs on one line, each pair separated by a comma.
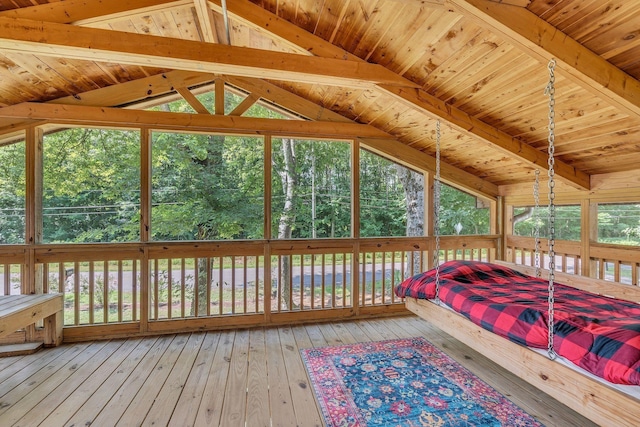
[[264, 20], [53, 39], [542, 41], [65, 12]]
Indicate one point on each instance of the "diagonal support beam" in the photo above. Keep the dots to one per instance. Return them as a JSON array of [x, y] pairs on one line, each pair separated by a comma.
[[264, 20], [541, 40], [63, 40]]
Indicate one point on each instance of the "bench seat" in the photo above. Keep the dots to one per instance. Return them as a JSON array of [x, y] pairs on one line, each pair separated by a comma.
[[20, 311]]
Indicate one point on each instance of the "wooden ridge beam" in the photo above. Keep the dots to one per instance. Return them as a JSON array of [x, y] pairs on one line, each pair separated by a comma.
[[102, 116], [414, 98], [542, 41], [93, 44]]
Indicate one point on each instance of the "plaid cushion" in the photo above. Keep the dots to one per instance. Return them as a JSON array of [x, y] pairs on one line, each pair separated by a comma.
[[597, 333]]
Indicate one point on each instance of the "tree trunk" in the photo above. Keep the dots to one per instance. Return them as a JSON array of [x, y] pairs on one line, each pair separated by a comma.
[[287, 216], [413, 184]]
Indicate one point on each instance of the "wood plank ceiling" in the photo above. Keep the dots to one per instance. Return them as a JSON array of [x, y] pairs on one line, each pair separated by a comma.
[[397, 65]]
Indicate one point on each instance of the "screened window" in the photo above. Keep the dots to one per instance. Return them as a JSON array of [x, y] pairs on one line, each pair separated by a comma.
[[462, 213], [12, 193], [311, 188], [206, 187], [567, 223], [619, 223], [391, 198], [91, 186]]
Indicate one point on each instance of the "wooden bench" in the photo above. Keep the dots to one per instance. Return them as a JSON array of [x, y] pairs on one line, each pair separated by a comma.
[[20, 311]]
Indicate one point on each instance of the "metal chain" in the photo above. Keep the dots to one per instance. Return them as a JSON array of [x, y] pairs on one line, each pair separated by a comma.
[[436, 213], [536, 221], [550, 91]]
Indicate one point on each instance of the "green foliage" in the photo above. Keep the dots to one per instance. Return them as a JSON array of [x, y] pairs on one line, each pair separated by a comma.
[[619, 223], [322, 175], [91, 186], [12, 192], [206, 187], [382, 207], [460, 214]]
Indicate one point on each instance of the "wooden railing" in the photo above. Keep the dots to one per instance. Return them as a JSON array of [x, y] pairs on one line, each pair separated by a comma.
[[129, 289], [614, 263], [521, 250]]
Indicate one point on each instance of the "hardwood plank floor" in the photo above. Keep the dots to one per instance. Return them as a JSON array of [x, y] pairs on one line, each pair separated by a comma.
[[227, 378]]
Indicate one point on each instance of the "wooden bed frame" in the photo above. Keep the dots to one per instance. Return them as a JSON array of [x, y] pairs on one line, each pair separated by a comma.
[[596, 400]]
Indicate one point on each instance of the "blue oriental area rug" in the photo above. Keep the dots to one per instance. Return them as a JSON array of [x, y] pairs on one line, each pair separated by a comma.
[[406, 382]]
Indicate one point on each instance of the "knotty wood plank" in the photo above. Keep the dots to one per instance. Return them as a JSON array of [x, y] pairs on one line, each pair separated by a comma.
[[210, 409], [233, 411], [75, 390], [343, 333], [46, 383], [304, 403], [280, 392], [165, 402], [315, 335], [17, 373], [113, 396], [187, 406], [78, 397], [259, 389], [148, 393]]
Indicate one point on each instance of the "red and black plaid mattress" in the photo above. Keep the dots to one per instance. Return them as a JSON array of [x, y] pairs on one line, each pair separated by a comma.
[[597, 333]]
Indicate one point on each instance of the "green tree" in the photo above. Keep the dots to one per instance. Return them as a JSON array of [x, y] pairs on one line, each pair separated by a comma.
[[91, 188], [12, 193]]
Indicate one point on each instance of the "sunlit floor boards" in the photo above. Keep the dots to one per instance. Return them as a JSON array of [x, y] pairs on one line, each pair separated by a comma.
[[231, 378]]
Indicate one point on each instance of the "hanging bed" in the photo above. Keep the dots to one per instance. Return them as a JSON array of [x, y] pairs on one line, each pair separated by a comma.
[[501, 312]]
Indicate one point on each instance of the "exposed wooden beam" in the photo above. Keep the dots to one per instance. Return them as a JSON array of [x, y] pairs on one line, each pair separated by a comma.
[[471, 126], [246, 103], [387, 147], [120, 94], [103, 116], [191, 99], [63, 40], [542, 41], [136, 90], [207, 23], [415, 98], [65, 12]]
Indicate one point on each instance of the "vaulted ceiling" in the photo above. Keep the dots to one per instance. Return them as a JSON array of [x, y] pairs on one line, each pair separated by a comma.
[[397, 66]]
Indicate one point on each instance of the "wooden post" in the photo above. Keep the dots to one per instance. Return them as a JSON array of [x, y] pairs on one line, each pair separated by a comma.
[[497, 220], [355, 225], [267, 227], [145, 224]]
